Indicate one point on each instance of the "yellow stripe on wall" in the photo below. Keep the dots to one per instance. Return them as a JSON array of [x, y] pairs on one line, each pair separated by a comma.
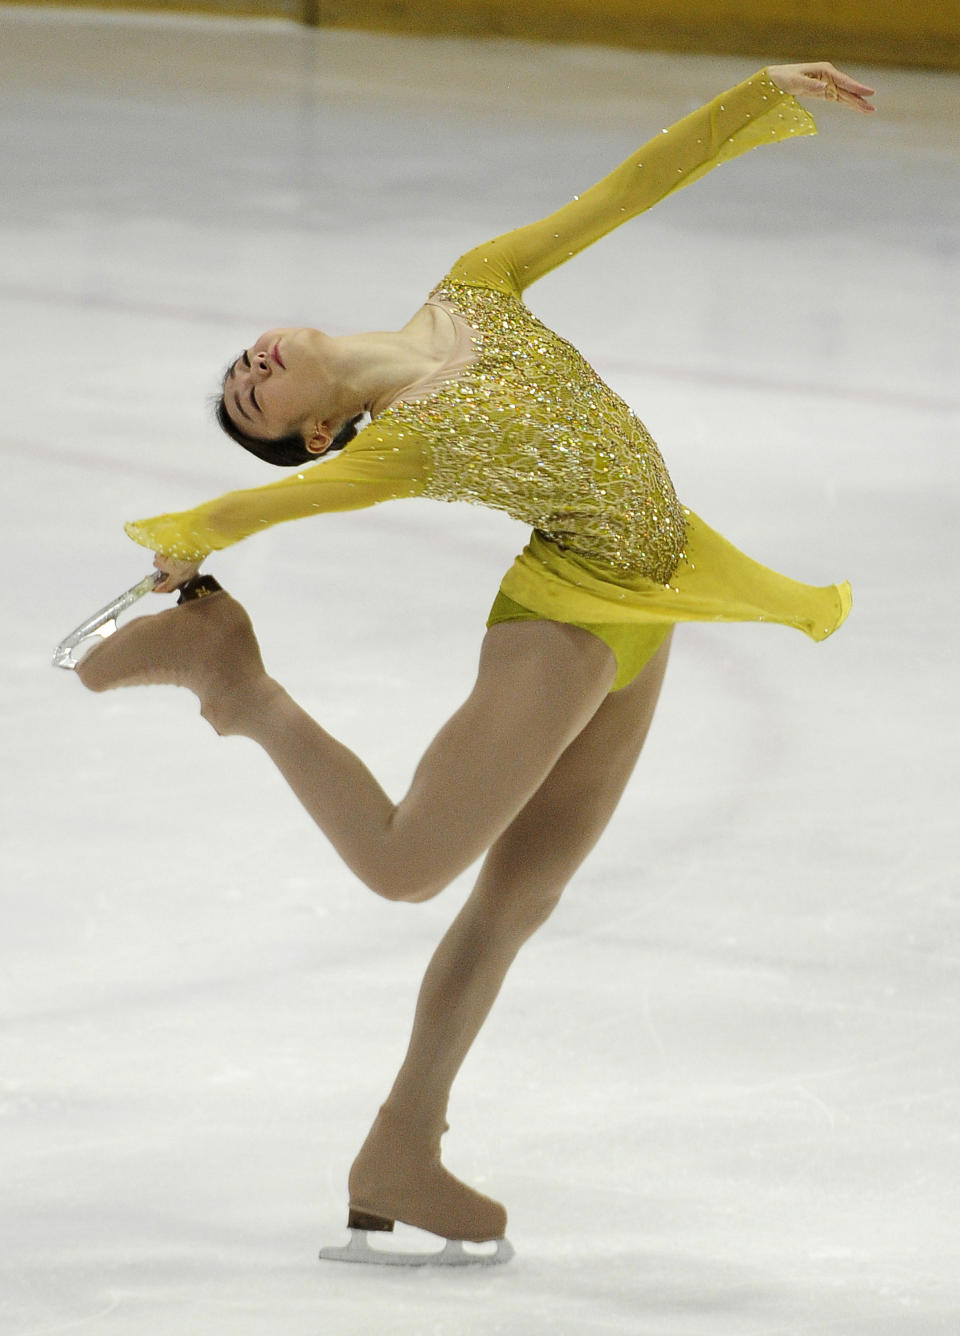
[[248, 9], [892, 32], [899, 32]]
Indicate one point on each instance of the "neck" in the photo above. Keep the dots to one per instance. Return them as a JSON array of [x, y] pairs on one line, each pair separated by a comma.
[[375, 368]]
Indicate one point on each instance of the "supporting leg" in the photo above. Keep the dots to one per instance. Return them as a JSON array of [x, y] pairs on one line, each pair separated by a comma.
[[397, 1174]]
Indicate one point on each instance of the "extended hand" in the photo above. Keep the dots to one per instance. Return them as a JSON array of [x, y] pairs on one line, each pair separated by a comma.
[[821, 79], [177, 572]]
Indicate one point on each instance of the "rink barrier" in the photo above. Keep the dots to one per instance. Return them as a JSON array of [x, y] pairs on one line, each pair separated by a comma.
[[301, 11], [918, 32], [923, 33]]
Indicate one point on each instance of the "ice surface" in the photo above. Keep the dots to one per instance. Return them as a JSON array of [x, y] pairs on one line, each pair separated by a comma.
[[720, 1094]]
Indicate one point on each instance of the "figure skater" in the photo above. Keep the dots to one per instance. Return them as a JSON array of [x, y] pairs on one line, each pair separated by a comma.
[[476, 400]]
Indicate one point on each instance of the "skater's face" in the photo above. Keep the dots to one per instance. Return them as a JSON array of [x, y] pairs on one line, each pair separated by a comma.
[[275, 387]]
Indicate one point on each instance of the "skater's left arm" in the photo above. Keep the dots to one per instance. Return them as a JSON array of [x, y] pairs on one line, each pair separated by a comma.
[[761, 110], [757, 111]]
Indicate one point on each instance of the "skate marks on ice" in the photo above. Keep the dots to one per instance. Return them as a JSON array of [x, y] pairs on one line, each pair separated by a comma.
[[454, 1252]]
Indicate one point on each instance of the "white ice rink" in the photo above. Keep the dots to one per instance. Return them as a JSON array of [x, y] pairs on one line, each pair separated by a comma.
[[720, 1093]]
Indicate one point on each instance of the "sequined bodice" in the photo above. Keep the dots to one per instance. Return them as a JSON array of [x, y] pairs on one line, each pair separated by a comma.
[[530, 428], [515, 419]]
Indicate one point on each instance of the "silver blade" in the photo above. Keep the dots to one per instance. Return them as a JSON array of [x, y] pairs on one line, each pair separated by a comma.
[[104, 622], [453, 1253]]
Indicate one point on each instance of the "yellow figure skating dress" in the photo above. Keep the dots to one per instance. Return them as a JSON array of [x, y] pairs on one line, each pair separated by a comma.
[[517, 420]]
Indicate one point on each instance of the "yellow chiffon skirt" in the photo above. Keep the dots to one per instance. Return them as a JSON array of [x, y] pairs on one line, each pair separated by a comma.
[[715, 582]]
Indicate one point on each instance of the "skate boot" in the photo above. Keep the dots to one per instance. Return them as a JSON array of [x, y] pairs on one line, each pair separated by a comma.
[[398, 1176], [206, 644]]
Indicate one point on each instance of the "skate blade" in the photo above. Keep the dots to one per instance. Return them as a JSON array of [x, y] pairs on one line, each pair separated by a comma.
[[453, 1253], [102, 623]]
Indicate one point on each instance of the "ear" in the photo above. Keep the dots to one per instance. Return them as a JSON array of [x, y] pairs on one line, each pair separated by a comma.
[[320, 438]]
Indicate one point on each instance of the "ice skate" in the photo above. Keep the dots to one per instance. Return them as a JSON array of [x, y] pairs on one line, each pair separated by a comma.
[[102, 623], [398, 1177], [206, 644]]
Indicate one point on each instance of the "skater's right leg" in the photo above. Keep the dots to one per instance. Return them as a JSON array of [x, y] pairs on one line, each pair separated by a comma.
[[538, 685]]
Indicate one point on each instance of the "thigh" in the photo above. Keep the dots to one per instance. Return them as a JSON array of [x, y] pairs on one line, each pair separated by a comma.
[[538, 686], [549, 839]]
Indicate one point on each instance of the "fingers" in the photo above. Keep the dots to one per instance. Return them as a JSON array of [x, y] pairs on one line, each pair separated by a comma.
[[836, 86], [851, 92], [852, 98], [846, 80], [174, 572], [164, 586]]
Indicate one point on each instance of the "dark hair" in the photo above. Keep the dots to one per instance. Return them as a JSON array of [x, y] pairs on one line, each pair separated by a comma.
[[285, 451]]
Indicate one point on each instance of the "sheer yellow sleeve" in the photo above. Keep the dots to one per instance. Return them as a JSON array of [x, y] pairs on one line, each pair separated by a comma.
[[380, 464], [756, 112]]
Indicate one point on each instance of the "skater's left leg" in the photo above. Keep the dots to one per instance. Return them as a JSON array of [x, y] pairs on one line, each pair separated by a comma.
[[398, 1173]]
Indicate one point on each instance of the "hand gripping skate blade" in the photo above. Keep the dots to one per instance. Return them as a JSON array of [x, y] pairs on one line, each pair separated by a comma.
[[453, 1253], [104, 622]]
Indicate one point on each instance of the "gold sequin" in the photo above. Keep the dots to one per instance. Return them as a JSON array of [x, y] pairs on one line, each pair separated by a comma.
[[531, 429]]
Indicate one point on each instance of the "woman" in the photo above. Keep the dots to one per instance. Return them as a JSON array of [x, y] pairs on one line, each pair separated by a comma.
[[475, 400]]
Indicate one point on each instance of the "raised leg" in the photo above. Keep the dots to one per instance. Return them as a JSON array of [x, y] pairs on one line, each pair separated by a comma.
[[538, 684], [397, 1173]]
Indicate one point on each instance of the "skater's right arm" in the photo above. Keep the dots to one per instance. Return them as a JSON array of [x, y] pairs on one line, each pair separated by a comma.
[[177, 572], [380, 464]]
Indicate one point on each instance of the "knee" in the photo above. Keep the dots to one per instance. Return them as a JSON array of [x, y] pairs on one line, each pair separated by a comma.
[[518, 913], [402, 885]]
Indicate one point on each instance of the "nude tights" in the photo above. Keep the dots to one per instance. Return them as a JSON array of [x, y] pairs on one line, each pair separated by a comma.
[[537, 808], [527, 772]]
